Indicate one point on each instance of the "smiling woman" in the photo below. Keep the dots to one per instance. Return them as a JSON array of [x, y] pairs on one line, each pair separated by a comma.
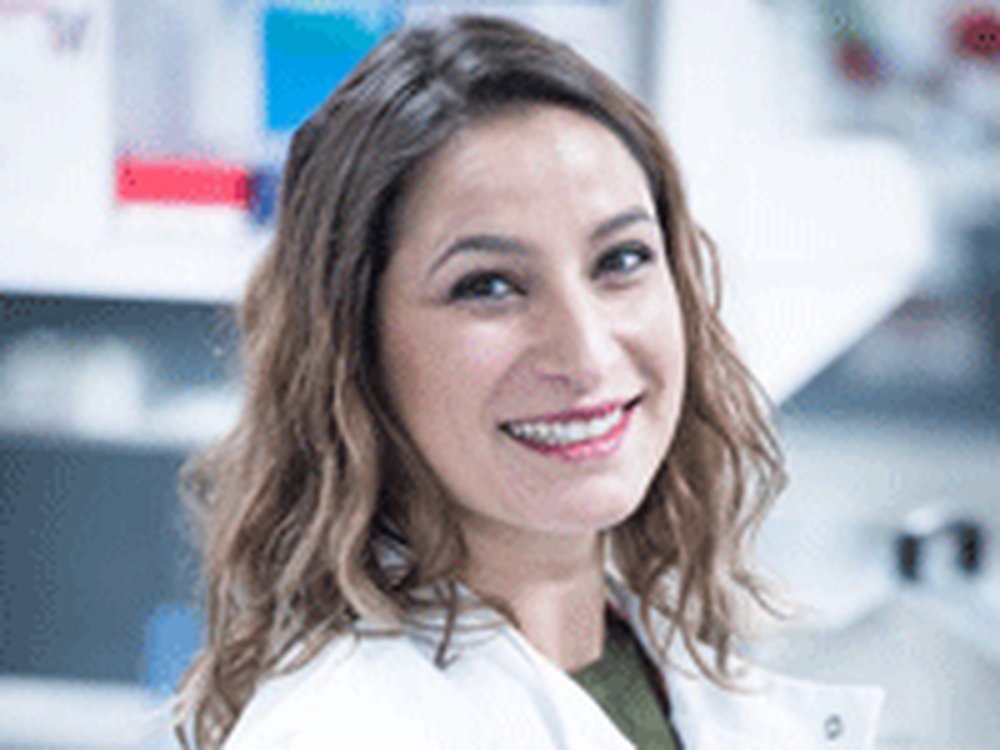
[[499, 362], [497, 450]]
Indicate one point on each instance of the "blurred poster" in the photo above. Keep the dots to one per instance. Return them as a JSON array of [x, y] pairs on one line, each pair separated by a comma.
[[308, 48], [55, 121]]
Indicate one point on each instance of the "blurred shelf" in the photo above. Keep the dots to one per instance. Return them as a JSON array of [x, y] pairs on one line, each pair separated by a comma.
[[176, 258], [64, 439], [50, 713], [180, 425]]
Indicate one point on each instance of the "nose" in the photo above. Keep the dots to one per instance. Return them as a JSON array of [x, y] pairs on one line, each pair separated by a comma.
[[576, 346]]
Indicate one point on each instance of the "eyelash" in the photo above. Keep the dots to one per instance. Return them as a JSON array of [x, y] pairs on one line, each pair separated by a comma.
[[465, 288]]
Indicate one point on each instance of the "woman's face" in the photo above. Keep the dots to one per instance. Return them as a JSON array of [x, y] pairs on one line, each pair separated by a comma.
[[529, 279]]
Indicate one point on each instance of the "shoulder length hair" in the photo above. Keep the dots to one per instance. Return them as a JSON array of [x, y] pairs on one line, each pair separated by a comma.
[[298, 504]]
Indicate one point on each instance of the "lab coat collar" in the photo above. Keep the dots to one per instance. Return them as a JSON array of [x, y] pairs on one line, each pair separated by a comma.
[[764, 712]]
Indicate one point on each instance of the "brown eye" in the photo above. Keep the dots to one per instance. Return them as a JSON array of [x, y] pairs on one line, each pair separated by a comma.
[[482, 286], [625, 259]]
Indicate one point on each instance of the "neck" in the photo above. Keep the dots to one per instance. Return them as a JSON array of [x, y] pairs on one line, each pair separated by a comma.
[[554, 585]]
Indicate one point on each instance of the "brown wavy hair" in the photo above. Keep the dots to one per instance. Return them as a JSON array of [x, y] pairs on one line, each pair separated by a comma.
[[298, 504]]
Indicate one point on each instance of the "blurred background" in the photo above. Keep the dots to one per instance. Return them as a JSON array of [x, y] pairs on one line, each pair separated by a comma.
[[845, 155]]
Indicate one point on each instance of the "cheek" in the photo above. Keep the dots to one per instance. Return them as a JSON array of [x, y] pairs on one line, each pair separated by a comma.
[[437, 371], [657, 325], [473, 359]]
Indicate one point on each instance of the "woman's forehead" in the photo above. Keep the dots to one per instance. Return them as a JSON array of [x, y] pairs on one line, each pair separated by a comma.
[[512, 165]]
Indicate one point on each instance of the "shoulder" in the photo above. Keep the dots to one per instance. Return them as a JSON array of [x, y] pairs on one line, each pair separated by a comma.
[[765, 710], [825, 712], [376, 690], [356, 692], [776, 711]]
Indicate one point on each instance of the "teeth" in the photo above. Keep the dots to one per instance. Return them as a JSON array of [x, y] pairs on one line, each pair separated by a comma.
[[565, 433]]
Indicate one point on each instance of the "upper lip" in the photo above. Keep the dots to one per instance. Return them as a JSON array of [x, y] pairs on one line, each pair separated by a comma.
[[579, 413]]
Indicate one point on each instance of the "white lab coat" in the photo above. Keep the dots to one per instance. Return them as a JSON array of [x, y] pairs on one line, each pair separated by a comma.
[[499, 692]]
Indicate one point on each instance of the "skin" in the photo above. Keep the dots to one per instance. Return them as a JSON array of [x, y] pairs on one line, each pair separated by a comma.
[[563, 318]]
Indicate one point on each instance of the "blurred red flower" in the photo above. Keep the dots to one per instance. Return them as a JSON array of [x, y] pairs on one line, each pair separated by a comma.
[[976, 34], [858, 61]]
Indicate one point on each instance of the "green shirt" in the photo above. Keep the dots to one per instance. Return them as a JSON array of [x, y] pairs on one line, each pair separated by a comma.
[[626, 684]]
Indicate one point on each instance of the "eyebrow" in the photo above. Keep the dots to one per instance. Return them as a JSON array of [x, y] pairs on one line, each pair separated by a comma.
[[503, 245]]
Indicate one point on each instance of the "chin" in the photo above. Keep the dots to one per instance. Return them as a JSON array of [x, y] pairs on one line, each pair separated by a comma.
[[595, 515]]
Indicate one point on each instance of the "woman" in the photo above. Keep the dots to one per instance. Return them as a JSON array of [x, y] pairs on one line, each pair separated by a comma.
[[498, 461]]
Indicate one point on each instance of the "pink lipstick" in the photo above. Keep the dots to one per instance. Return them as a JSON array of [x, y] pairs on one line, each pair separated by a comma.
[[538, 433]]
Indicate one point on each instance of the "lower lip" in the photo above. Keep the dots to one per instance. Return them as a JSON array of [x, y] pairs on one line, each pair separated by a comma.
[[589, 450]]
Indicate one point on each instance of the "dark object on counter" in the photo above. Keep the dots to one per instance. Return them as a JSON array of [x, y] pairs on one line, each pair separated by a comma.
[[964, 538]]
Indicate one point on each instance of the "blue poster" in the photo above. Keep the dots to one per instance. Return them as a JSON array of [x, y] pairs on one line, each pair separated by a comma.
[[308, 48]]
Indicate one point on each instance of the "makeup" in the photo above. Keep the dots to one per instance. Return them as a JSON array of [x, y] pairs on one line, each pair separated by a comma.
[[588, 449]]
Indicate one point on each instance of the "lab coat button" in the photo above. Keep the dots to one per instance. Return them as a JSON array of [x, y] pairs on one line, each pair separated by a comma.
[[834, 726]]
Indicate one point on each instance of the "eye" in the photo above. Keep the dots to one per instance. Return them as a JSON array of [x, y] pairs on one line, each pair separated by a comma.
[[625, 258], [482, 286]]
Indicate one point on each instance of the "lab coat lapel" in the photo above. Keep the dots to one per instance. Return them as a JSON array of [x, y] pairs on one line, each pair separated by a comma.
[[766, 712], [576, 718]]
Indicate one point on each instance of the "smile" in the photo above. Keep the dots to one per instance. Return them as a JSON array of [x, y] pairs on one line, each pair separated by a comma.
[[575, 438]]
